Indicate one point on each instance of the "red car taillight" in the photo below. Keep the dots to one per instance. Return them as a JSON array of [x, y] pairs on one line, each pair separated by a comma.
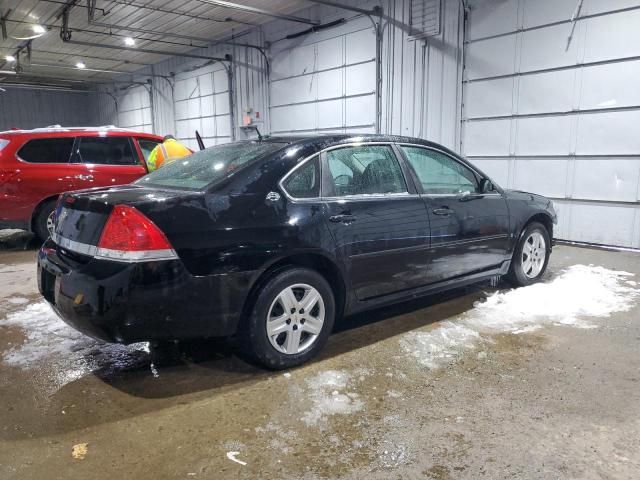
[[131, 237]]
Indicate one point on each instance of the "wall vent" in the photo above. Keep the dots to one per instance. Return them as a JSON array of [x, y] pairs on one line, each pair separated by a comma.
[[424, 18]]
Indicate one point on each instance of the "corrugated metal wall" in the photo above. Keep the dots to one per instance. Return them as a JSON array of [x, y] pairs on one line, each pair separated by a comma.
[[22, 108], [134, 109], [553, 106], [325, 81]]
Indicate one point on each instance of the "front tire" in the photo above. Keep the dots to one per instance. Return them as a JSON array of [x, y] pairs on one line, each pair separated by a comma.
[[291, 319], [531, 256]]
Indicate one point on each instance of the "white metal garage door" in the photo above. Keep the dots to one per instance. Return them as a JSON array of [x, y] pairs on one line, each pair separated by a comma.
[[325, 83], [134, 109], [202, 103], [552, 106]]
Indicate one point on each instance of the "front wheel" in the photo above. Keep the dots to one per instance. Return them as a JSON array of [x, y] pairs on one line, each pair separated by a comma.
[[531, 256], [291, 319]]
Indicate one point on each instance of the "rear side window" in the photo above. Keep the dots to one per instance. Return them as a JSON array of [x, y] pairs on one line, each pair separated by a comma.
[[304, 182], [147, 147], [46, 150], [209, 166], [106, 151]]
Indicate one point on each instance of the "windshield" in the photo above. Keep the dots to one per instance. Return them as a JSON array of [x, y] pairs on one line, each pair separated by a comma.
[[209, 166]]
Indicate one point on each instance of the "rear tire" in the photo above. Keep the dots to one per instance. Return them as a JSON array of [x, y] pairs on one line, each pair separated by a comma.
[[279, 333], [531, 256], [41, 218]]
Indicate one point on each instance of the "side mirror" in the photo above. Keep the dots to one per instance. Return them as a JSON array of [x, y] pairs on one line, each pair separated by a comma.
[[486, 186]]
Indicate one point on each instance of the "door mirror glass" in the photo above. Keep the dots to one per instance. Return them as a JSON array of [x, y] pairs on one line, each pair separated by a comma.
[[364, 170], [439, 174], [304, 182], [486, 186]]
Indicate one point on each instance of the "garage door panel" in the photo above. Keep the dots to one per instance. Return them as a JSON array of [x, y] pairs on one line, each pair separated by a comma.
[[361, 78], [607, 179], [490, 137], [294, 117], [182, 129], [598, 6], [613, 36], [546, 48], [220, 81], [293, 90], [330, 114], [542, 12], [330, 84], [489, 98], [207, 106], [206, 84], [613, 223], [193, 107], [361, 46], [330, 53], [610, 133], [222, 103], [496, 168], [543, 176], [546, 92], [180, 110], [611, 85], [146, 116], [489, 17], [185, 89], [488, 58], [360, 110], [295, 61], [208, 127], [223, 127], [543, 135]]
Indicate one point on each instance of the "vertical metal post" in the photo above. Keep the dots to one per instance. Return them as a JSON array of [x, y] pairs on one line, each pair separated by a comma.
[[150, 90], [232, 103]]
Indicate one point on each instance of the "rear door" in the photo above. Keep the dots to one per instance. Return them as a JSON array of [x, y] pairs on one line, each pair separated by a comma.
[[378, 221], [469, 228], [44, 171], [107, 161]]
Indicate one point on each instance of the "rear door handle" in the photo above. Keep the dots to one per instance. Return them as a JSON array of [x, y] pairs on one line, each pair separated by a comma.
[[342, 218], [442, 211]]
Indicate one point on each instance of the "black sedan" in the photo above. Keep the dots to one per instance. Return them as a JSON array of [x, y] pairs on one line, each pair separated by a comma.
[[275, 240]]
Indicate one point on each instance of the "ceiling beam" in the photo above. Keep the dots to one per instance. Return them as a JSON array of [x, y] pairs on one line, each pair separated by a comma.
[[374, 11], [258, 11]]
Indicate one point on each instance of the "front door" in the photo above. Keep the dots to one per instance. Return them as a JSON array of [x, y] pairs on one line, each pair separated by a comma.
[[379, 223], [469, 228]]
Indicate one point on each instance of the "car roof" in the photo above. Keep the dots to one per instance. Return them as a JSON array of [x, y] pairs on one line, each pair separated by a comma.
[[54, 130], [322, 141]]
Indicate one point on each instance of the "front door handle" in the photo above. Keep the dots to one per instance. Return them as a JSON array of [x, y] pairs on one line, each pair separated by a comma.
[[444, 211], [342, 218]]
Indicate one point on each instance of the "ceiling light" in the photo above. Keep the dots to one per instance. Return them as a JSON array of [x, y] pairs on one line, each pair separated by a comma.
[[129, 41], [38, 29], [81, 65], [10, 58]]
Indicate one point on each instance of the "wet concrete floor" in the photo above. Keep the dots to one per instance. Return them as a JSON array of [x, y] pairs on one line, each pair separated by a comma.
[[404, 392]]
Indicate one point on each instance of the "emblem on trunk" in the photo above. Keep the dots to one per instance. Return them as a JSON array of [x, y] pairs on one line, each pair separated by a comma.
[[273, 196]]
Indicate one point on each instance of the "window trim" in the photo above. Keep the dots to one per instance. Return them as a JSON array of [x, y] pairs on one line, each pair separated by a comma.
[[68, 162], [409, 182], [499, 191]]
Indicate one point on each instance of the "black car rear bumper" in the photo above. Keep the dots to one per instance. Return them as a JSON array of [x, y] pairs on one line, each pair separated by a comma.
[[131, 302]]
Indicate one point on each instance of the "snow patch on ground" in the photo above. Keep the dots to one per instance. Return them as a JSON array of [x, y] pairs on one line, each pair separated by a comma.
[[329, 396], [17, 300], [52, 344], [578, 296]]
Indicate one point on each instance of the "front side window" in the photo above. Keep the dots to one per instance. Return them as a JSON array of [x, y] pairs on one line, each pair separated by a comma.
[[364, 170], [106, 151], [440, 174], [147, 146], [209, 166], [47, 150], [304, 182]]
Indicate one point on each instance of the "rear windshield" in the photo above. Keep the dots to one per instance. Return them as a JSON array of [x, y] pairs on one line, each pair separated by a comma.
[[209, 166]]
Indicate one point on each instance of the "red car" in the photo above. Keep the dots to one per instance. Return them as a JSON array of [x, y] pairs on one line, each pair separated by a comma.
[[38, 165]]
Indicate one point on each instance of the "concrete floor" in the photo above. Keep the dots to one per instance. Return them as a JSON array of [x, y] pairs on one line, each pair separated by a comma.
[[406, 392]]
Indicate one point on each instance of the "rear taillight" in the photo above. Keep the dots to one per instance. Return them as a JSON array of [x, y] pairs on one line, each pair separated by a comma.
[[129, 236]]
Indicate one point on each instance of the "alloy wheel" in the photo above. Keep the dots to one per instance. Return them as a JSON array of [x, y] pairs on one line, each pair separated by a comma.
[[534, 254], [295, 319]]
